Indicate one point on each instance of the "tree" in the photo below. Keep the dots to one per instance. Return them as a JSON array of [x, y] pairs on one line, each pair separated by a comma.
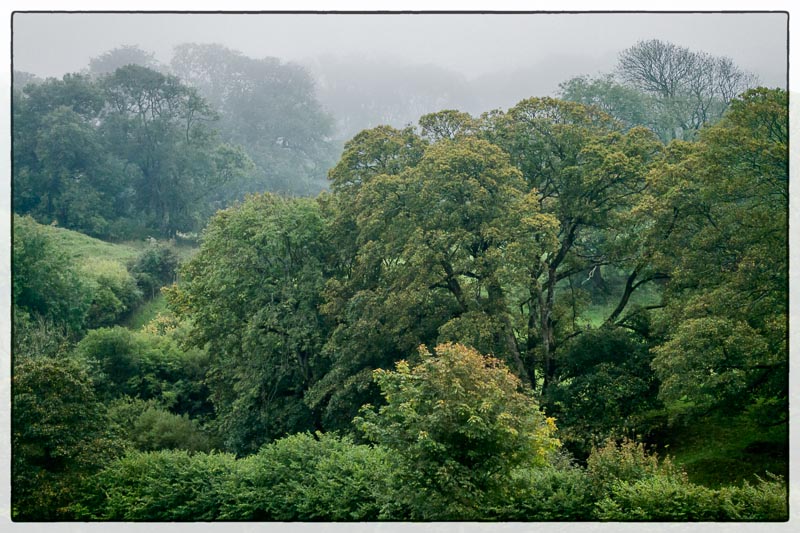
[[691, 88], [252, 295], [457, 424], [156, 123], [122, 56], [435, 242], [584, 172], [626, 104], [59, 436], [62, 169], [267, 107], [725, 327]]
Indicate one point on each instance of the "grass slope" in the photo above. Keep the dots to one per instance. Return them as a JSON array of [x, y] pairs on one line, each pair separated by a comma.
[[83, 249]]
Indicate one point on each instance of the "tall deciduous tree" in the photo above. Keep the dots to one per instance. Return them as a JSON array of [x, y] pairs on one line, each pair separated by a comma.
[[436, 243], [727, 197], [586, 174], [269, 108], [252, 294], [155, 122], [691, 88]]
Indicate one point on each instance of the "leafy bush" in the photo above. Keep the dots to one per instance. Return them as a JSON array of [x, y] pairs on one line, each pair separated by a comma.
[[149, 427], [146, 366], [661, 498], [155, 267], [627, 461], [632, 484], [767, 500], [311, 477], [555, 492], [458, 424], [302, 477], [45, 282], [675, 499], [162, 485], [114, 292]]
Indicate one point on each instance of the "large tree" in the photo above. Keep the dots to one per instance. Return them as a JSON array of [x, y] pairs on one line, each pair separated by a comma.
[[269, 108], [587, 174], [435, 237], [160, 125], [726, 325], [690, 88], [252, 294]]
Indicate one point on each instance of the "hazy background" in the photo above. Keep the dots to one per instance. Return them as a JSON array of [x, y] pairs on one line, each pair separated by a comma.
[[370, 69], [560, 45]]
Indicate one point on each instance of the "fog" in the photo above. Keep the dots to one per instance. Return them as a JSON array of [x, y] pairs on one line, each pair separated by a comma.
[[475, 62], [472, 45]]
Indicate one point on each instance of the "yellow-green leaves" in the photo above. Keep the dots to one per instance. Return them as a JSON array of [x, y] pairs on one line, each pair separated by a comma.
[[461, 422]]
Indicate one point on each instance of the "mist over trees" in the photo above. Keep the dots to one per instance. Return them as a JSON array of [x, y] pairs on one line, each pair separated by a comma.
[[671, 89], [570, 308]]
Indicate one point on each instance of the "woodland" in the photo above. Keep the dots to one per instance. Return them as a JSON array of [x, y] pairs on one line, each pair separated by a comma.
[[572, 309]]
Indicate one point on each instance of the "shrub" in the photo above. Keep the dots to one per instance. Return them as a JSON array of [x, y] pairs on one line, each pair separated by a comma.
[[154, 267], [311, 477], [627, 461], [662, 498], [555, 492], [45, 283], [59, 436], [149, 427], [458, 424], [114, 293], [138, 364], [767, 500], [162, 486]]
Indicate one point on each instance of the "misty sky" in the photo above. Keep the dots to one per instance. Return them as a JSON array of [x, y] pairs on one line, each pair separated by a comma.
[[473, 45]]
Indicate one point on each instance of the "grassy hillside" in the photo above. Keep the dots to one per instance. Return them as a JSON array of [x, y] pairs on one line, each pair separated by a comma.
[[82, 248]]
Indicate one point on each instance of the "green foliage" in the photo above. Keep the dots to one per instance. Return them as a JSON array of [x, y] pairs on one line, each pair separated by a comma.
[[149, 427], [447, 124], [311, 477], [45, 282], [434, 249], [625, 104], [627, 461], [661, 498], [58, 433], [37, 336], [604, 388], [119, 155], [302, 477], [154, 268], [114, 293], [252, 294], [725, 325], [160, 486], [146, 366], [557, 492], [457, 425]]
